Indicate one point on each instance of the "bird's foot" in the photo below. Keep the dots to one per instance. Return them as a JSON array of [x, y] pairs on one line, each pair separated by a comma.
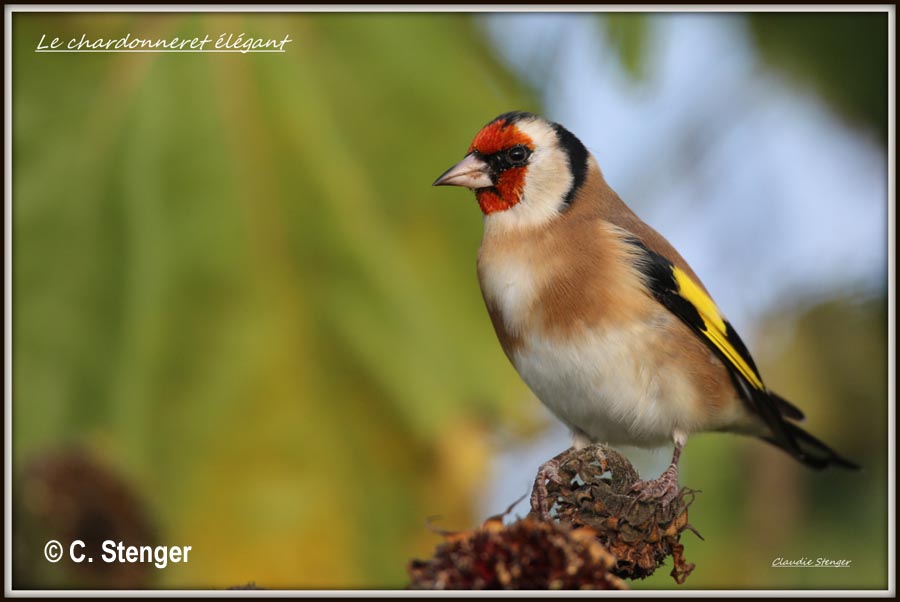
[[549, 470], [665, 488]]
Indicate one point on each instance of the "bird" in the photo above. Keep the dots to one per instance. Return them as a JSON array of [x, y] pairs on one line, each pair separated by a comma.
[[601, 317]]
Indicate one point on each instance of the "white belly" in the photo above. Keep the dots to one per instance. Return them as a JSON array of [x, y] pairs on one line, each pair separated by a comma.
[[612, 385], [605, 387]]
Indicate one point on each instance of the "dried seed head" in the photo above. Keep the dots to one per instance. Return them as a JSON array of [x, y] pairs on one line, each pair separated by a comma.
[[604, 533], [527, 554], [594, 492]]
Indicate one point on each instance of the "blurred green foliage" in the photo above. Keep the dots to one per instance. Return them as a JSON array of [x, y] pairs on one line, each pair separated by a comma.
[[232, 276], [628, 33], [233, 282], [843, 55]]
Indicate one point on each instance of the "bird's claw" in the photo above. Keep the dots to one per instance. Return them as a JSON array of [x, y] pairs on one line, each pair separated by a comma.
[[665, 488], [549, 470]]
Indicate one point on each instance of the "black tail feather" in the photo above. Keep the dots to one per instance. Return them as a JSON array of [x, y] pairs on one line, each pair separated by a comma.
[[811, 451], [787, 409]]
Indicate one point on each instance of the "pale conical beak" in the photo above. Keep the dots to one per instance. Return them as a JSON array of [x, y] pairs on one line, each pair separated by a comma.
[[471, 172]]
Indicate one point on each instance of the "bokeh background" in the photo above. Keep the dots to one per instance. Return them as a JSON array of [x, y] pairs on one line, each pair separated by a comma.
[[245, 322]]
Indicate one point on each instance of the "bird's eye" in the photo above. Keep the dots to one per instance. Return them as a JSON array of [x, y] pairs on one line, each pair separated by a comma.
[[518, 154]]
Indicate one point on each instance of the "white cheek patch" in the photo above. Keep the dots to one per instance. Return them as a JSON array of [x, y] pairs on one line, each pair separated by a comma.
[[547, 181]]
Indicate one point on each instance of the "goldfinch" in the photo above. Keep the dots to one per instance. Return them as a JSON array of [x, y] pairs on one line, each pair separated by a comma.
[[604, 320]]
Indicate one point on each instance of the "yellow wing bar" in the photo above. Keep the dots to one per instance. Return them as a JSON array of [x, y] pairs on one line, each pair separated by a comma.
[[715, 328]]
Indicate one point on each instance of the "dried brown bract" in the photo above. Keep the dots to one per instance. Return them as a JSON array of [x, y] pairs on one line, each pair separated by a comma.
[[528, 554], [69, 495]]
